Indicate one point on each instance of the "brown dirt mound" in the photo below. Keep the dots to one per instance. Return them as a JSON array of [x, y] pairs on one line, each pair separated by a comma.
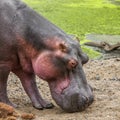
[[9, 113]]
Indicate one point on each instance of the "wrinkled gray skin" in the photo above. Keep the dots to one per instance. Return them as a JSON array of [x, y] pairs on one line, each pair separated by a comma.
[[30, 45]]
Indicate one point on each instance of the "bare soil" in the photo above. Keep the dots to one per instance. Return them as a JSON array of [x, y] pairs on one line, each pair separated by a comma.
[[104, 77]]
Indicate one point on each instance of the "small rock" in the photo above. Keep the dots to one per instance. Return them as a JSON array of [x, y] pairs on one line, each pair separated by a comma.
[[97, 77], [117, 59]]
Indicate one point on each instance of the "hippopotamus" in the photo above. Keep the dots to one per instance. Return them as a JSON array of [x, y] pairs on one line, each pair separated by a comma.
[[30, 45]]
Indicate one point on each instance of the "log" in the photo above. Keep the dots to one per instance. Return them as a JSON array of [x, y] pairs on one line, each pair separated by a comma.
[[103, 45]]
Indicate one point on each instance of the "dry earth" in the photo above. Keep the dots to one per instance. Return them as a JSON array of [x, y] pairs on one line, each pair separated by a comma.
[[104, 77]]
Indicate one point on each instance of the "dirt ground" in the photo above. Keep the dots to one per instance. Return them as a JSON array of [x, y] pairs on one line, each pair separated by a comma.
[[104, 77]]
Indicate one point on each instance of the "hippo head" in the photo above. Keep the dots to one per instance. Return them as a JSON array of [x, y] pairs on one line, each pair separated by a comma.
[[61, 66]]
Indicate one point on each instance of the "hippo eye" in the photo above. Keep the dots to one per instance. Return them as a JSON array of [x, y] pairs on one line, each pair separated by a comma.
[[63, 47]]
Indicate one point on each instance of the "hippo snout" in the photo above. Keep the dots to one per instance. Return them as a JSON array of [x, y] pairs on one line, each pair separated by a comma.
[[77, 101], [74, 99]]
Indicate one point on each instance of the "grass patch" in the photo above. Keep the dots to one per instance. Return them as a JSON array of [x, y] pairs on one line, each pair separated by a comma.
[[91, 53], [80, 17]]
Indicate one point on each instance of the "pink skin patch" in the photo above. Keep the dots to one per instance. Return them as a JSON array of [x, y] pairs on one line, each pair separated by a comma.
[[59, 85], [45, 68], [62, 84]]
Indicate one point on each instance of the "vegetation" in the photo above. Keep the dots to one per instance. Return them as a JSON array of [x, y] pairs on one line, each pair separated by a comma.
[[80, 17]]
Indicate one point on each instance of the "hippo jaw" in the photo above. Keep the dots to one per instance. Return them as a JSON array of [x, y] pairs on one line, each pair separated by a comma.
[[75, 94]]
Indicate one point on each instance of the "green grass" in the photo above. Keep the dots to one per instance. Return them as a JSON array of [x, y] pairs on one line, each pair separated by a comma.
[[80, 17]]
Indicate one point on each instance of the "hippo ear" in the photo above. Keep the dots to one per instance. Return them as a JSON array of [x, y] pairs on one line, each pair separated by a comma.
[[77, 39], [84, 58], [62, 47]]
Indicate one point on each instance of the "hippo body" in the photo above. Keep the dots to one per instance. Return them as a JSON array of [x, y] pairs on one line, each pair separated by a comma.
[[30, 45]]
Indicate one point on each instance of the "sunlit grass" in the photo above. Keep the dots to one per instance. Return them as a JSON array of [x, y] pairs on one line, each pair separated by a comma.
[[80, 17]]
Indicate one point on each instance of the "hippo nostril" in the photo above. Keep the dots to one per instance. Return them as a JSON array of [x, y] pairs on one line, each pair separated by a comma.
[[91, 99], [85, 102], [88, 100]]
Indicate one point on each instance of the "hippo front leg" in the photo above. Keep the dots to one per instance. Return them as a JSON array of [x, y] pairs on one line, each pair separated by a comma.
[[4, 72], [29, 84]]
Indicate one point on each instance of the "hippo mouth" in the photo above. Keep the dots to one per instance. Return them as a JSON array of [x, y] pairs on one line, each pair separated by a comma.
[[71, 93], [61, 84]]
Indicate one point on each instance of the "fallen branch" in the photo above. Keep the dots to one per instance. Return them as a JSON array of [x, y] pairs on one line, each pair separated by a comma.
[[104, 45]]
